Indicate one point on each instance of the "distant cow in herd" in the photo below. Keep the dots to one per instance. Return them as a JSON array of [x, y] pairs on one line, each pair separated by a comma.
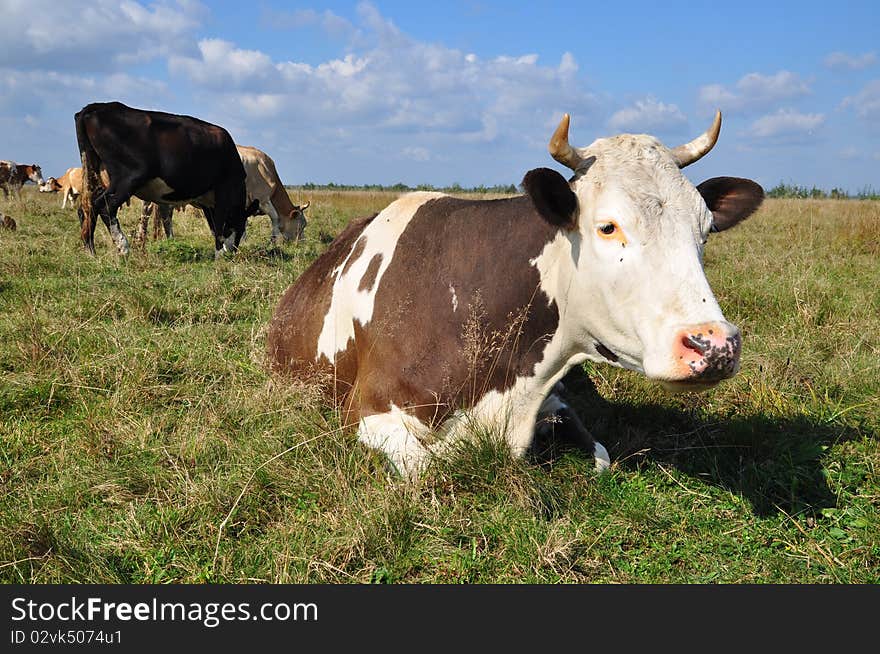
[[158, 157], [266, 195], [69, 185], [14, 175], [440, 314]]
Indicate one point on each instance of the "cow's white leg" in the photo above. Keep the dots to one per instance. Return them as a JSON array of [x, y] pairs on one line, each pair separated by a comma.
[[395, 433], [118, 238], [602, 458], [64, 200], [554, 408]]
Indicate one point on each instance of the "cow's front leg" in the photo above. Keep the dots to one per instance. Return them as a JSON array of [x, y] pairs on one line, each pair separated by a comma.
[[275, 239], [395, 433], [557, 422], [111, 221], [108, 204]]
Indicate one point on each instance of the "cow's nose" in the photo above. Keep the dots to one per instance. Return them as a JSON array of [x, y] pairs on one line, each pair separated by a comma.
[[708, 351]]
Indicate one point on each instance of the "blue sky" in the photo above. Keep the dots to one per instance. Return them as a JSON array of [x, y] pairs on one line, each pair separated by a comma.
[[463, 91]]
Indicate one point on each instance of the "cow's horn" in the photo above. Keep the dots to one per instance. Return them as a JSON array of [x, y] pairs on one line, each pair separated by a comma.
[[305, 206], [559, 147], [690, 152]]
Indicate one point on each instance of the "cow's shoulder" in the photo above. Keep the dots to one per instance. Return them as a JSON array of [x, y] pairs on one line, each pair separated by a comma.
[[298, 320]]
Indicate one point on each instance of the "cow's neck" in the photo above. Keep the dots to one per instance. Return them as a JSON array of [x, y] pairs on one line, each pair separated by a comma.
[[557, 266]]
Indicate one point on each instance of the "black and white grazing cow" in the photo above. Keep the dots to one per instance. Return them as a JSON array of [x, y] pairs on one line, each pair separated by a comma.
[[441, 313], [158, 157]]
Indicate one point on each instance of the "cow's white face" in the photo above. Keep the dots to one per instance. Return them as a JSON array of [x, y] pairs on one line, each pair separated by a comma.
[[637, 295], [51, 186], [35, 174]]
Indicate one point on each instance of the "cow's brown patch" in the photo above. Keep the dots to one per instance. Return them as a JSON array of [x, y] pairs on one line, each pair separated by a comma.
[[292, 340], [420, 351], [369, 278], [426, 355]]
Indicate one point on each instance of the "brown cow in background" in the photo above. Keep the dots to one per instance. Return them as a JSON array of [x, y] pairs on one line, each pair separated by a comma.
[[69, 185], [13, 176]]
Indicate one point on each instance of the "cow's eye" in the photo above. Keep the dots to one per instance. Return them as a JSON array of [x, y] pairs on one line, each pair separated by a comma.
[[608, 228]]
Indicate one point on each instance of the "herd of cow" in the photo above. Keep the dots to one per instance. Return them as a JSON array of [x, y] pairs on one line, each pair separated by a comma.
[[168, 161], [441, 314]]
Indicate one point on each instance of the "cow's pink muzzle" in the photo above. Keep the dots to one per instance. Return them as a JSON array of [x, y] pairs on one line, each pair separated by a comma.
[[708, 352]]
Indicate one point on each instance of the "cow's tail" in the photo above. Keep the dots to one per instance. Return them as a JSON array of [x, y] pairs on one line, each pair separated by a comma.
[[91, 170]]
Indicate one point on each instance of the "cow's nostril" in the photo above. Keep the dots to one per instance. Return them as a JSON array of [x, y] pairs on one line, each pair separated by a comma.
[[695, 343]]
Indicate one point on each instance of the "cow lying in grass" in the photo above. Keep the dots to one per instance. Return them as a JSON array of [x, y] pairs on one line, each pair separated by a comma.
[[440, 314]]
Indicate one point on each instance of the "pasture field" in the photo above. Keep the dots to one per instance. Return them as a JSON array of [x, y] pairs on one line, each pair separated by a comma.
[[142, 440]]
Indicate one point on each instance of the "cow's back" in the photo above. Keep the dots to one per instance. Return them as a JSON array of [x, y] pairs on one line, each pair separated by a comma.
[[190, 155], [411, 307], [74, 179], [260, 176]]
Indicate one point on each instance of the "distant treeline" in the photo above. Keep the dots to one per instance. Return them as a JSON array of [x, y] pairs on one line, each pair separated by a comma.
[[404, 188], [783, 190]]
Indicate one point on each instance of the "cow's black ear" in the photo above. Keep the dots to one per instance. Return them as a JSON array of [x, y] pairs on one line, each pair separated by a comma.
[[730, 199], [552, 197]]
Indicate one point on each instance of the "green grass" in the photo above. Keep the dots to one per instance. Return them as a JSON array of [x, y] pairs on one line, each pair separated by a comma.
[[142, 441]]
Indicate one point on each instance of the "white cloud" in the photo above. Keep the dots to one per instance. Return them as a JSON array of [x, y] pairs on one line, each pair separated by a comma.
[[754, 92], [37, 107], [866, 103], [98, 35], [221, 65], [389, 96], [416, 154], [844, 61], [32, 92], [647, 115], [785, 125], [331, 23], [395, 84], [568, 65]]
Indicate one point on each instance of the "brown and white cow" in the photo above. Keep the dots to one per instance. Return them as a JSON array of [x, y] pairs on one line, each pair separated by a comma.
[[69, 185], [13, 176], [439, 313], [266, 195]]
